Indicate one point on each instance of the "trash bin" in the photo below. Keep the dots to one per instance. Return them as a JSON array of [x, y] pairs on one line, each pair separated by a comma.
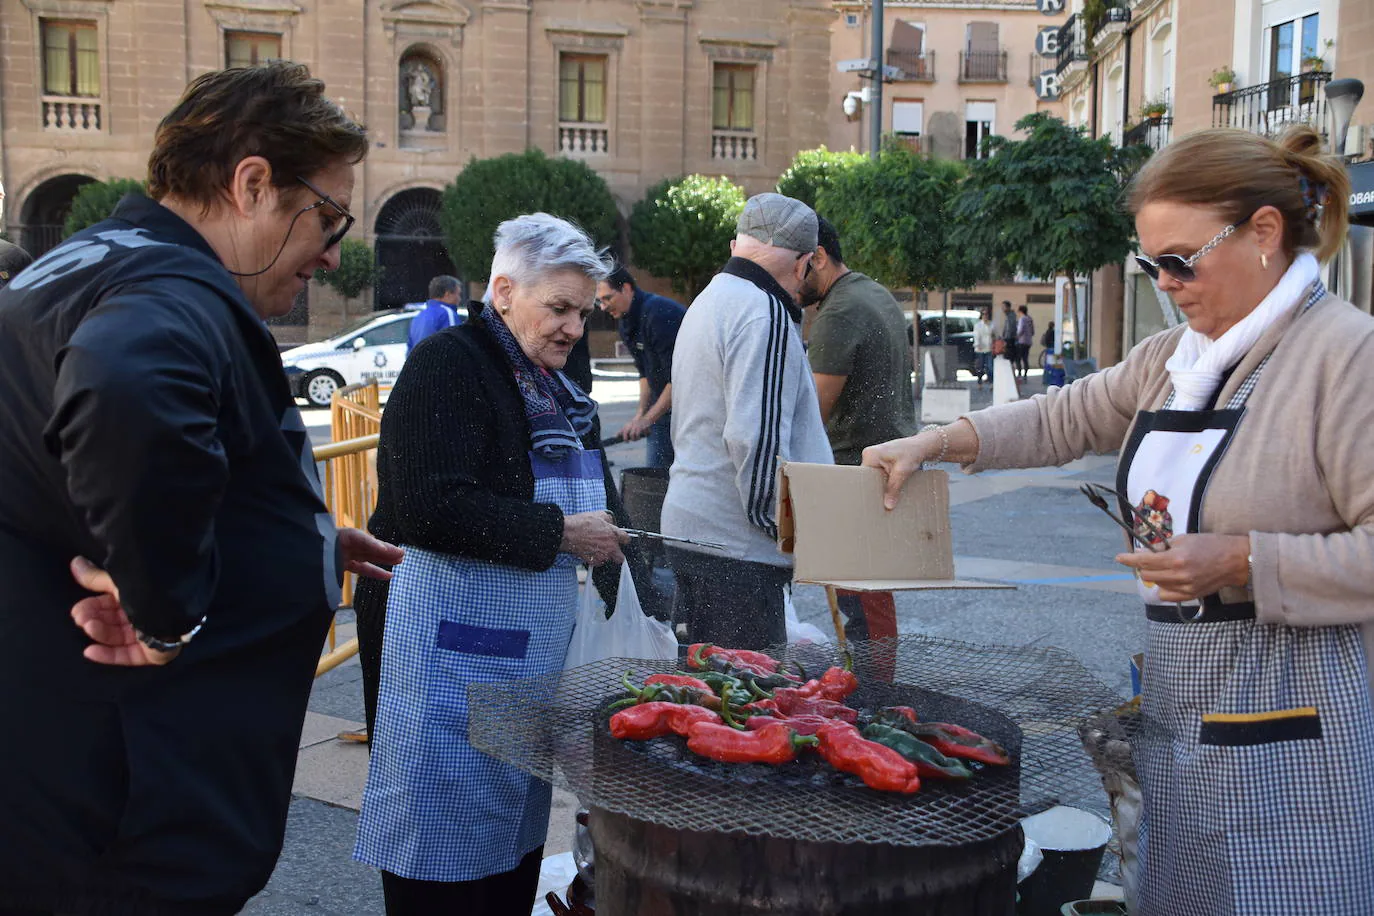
[[1072, 842]]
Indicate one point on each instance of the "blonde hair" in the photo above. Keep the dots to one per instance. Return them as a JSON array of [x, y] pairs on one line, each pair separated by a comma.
[[1237, 172]]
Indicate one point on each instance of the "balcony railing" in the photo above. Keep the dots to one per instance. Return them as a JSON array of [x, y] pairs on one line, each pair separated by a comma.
[[77, 115], [1270, 107], [1039, 63], [734, 147], [575, 139], [915, 65], [983, 67], [1153, 132], [1113, 21], [1073, 46]]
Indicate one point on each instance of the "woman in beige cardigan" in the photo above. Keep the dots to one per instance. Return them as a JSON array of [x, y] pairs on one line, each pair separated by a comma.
[[1248, 437]]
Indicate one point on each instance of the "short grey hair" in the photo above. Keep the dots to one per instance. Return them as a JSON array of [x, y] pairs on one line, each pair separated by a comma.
[[535, 244]]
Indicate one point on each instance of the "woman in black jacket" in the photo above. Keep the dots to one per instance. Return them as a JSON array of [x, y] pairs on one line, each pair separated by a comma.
[[490, 475]]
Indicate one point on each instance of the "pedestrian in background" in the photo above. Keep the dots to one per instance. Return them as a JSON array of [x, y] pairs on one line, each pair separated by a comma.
[[441, 311], [13, 259], [982, 345], [1025, 339], [648, 324], [743, 400], [147, 430], [1008, 334], [862, 369]]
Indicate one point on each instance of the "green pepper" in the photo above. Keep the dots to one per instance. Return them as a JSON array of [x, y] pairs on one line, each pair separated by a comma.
[[930, 763]]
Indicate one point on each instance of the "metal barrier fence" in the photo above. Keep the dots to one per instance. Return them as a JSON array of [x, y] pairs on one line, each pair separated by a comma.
[[350, 483]]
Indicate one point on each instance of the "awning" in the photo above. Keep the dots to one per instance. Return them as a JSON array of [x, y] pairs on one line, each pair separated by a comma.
[[1362, 192]]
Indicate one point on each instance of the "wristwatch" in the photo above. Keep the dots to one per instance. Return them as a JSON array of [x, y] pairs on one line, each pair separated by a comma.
[[162, 645]]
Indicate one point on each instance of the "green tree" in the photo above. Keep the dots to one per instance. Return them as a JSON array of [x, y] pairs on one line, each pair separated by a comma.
[[893, 218], [1049, 204], [358, 269], [813, 169], [96, 200], [682, 229], [489, 191]]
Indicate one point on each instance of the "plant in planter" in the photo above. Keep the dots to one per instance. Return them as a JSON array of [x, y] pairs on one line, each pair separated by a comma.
[[1223, 80], [1154, 109], [1316, 63]]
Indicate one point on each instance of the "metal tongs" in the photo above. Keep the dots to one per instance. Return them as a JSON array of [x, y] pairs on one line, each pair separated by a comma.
[[1094, 493], [637, 533]]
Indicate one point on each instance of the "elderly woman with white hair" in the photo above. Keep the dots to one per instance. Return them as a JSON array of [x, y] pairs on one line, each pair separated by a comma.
[[489, 473]]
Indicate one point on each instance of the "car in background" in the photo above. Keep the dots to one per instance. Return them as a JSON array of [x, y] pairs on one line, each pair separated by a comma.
[[373, 347], [959, 327]]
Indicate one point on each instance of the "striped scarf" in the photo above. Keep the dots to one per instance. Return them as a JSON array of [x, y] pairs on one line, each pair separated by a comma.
[[559, 412]]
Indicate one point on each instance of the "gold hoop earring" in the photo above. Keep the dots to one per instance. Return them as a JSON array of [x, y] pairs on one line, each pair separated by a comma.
[[1264, 261]]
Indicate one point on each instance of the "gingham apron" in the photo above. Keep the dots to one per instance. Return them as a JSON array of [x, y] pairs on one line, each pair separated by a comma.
[[1257, 759], [436, 808]]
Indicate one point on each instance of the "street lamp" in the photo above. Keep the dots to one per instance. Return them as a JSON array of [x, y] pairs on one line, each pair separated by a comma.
[[1342, 96]]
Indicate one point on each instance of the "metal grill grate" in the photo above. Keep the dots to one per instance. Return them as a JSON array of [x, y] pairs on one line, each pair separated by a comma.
[[1031, 699]]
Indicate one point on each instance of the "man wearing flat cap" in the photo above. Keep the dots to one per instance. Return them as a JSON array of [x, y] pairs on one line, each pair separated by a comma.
[[743, 398]]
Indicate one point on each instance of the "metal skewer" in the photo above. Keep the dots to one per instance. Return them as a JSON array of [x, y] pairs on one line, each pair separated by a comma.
[[637, 533]]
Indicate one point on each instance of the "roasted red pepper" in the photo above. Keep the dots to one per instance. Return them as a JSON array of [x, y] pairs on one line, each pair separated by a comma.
[[905, 712], [773, 745], [802, 725], [879, 767], [950, 740], [654, 720], [838, 683], [695, 694], [679, 680], [791, 701], [700, 655]]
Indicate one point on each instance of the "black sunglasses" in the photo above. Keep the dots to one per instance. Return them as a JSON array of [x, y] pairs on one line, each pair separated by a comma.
[[347, 218], [1179, 267]]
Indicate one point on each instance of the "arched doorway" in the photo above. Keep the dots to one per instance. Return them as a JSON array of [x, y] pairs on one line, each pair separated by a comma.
[[44, 212], [410, 248]]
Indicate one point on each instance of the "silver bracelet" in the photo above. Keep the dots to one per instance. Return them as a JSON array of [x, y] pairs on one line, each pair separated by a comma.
[[944, 441]]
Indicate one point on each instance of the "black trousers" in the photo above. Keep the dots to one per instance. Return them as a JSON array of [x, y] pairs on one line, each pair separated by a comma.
[[732, 603], [509, 893]]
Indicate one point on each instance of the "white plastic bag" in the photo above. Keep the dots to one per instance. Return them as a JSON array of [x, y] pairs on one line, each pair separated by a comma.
[[629, 633], [796, 630]]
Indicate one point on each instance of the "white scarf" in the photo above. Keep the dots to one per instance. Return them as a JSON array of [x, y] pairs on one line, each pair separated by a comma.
[[1197, 366]]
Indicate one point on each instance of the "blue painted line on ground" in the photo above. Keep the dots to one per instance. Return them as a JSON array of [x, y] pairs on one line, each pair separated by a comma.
[[1069, 580]]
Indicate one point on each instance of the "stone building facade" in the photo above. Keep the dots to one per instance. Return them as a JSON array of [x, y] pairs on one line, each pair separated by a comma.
[[639, 89]]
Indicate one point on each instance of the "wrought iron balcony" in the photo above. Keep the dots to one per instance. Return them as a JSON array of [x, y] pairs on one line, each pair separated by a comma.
[[915, 65], [1270, 107], [1153, 132], [1073, 47], [983, 67]]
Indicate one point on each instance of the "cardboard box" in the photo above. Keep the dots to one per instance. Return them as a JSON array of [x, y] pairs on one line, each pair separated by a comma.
[[832, 520]]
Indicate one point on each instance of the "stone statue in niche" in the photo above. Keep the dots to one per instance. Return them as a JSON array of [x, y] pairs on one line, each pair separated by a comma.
[[420, 95]]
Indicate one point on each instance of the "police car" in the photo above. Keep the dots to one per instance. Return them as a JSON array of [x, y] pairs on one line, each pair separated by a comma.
[[374, 347]]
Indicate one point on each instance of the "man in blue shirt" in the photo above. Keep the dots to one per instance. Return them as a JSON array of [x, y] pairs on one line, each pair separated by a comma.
[[648, 325], [441, 311]]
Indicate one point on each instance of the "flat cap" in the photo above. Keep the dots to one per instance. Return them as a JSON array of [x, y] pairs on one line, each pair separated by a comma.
[[779, 221]]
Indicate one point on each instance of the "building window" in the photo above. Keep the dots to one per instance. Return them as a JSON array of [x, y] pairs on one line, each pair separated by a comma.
[[582, 88], [250, 49], [908, 123], [71, 59], [979, 118], [733, 101], [1291, 43]]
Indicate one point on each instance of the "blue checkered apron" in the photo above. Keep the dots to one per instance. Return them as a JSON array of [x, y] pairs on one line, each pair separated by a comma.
[[435, 808], [1257, 760]]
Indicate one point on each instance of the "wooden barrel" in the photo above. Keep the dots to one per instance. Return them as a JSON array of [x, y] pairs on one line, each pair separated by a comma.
[[643, 869]]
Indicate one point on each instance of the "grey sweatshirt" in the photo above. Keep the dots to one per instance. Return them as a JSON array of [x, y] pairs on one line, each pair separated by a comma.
[[743, 398]]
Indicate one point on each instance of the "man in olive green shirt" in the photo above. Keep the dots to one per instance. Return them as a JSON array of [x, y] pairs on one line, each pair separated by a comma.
[[859, 354], [861, 362]]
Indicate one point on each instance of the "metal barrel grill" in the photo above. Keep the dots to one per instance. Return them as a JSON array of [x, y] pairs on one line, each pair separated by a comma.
[[677, 834]]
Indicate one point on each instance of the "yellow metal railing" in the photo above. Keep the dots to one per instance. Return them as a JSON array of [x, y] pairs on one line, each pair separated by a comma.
[[350, 484]]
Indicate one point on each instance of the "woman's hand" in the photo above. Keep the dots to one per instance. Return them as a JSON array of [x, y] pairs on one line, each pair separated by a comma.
[[594, 537], [1194, 565], [361, 551]]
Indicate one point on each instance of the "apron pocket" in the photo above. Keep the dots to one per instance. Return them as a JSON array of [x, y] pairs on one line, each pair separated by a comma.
[[1252, 729], [489, 641]]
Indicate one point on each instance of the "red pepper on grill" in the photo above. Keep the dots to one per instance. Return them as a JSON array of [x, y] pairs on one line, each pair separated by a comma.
[[654, 720], [679, 680], [950, 740], [879, 767], [773, 745], [905, 712], [802, 725], [792, 701], [838, 683], [739, 659], [698, 694]]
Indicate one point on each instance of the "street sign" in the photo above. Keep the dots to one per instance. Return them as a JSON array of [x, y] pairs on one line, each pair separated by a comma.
[[856, 64]]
